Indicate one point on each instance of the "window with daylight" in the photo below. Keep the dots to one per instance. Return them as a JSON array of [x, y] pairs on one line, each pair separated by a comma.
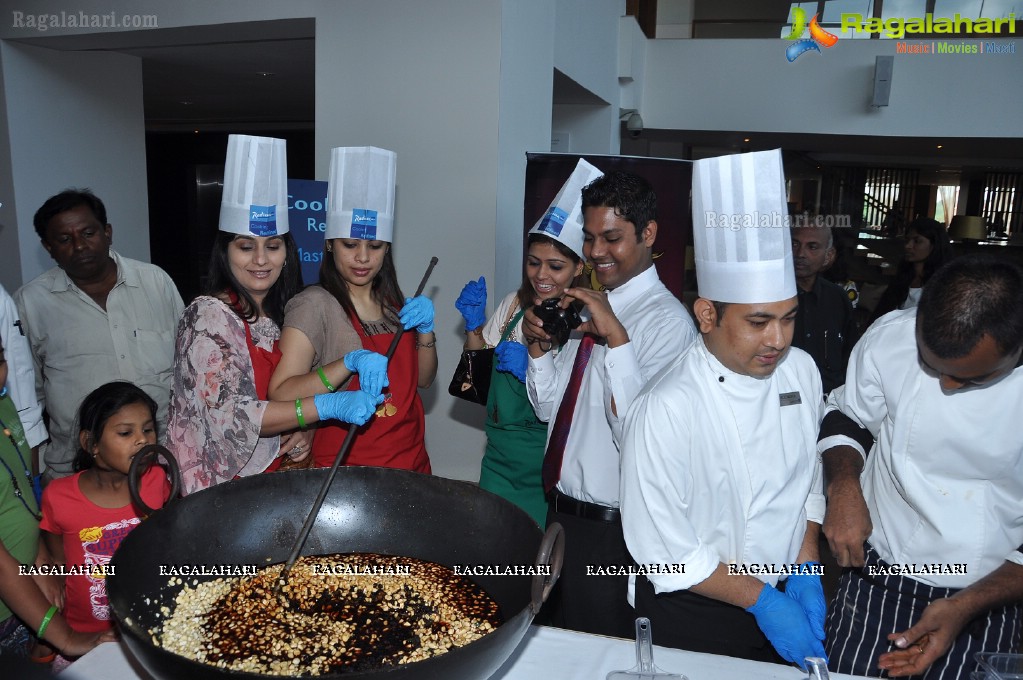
[[902, 9], [1003, 194], [945, 203], [888, 197]]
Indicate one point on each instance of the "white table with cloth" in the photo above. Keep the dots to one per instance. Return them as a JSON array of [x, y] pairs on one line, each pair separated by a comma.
[[544, 653]]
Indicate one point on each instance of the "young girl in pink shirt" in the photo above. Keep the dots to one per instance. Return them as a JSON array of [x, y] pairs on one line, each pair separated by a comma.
[[86, 515]]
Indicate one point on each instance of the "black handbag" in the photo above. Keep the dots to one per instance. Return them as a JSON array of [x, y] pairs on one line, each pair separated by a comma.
[[472, 377]]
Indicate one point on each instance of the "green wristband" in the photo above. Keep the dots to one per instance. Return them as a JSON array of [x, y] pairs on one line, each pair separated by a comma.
[[323, 379], [46, 621], [298, 413]]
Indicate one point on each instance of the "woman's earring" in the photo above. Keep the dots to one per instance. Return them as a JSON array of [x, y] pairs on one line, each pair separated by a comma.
[[328, 247]]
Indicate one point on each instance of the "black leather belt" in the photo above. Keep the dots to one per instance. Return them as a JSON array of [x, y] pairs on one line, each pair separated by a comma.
[[570, 506]]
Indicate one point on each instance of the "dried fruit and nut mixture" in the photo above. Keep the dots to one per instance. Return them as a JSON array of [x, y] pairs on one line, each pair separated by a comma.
[[336, 613]]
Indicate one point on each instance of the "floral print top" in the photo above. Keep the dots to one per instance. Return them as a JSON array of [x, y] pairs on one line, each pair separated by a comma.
[[215, 415]]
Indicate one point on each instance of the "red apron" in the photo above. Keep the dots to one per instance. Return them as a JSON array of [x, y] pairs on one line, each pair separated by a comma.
[[395, 436], [263, 364]]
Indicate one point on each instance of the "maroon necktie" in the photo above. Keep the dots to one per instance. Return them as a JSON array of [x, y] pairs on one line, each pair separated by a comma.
[[563, 422]]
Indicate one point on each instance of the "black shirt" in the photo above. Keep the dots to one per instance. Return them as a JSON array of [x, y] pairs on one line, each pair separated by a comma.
[[826, 330]]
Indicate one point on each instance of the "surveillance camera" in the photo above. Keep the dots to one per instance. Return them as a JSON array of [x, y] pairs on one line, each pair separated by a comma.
[[634, 125]]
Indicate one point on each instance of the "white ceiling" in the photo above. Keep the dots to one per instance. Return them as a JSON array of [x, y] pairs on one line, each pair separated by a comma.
[[261, 75], [255, 74]]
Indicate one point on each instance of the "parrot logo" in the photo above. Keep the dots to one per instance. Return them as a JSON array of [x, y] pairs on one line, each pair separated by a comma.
[[800, 45]]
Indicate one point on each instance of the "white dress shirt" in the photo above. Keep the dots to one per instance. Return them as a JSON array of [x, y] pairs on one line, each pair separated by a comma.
[[721, 467], [944, 478], [78, 346], [21, 375], [659, 329]]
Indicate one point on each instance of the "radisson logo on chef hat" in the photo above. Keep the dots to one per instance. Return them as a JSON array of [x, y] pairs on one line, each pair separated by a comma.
[[255, 200], [750, 263], [563, 220], [360, 193]]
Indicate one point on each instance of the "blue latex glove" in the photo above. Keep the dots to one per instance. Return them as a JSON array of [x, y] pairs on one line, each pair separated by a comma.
[[350, 406], [472, 303], [371, 367], [782, 620], [513, 358], [417, 313], [806, 589]]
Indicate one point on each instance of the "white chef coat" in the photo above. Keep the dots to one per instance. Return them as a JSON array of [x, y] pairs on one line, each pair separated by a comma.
[[716, 469], [21, 376], [944, 478], [659, 329]]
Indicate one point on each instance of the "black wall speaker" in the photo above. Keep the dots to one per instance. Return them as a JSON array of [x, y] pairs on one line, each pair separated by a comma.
[[882, 80]]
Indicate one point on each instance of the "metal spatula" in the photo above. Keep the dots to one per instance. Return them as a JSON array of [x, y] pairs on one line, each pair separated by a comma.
[[816, 668], [645, 668]]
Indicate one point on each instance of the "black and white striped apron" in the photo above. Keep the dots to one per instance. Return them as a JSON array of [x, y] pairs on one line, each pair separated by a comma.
[[867, 608]]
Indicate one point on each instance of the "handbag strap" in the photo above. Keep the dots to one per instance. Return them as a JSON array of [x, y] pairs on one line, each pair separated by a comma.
[[510, 326]]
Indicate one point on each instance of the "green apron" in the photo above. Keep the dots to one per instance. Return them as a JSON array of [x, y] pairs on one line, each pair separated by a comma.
[[516, 441]]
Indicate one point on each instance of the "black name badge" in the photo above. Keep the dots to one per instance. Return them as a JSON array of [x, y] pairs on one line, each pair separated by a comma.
[[790, 398]]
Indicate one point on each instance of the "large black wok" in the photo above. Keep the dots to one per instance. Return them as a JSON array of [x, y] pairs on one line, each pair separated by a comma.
[[255, 521]]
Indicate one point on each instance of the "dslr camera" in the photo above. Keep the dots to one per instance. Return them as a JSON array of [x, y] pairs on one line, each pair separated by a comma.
[[557, 322]]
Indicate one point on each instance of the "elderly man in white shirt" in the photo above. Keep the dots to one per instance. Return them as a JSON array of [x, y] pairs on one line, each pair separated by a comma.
[[634, 329], [95, 317], [923, 462]]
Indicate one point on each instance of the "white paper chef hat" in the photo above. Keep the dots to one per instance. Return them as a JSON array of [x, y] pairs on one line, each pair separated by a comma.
[[255, 200], [360, 193], [741, 229], [563, 220]]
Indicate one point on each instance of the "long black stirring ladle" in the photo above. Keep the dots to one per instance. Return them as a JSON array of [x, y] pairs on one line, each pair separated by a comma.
[[347, 444]]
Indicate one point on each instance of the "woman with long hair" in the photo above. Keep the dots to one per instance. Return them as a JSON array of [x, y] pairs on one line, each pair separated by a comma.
[[354, 312], [516, 439], [222, 423], [926, 249]]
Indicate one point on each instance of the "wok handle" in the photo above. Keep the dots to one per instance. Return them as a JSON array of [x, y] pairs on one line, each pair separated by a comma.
[[552, 554], [151, 453]]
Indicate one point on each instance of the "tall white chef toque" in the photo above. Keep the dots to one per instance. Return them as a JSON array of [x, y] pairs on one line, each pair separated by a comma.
[[360, 193], [741, 233], [255, 200]]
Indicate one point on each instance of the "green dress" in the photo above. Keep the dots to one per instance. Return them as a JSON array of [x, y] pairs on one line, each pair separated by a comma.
[[19, 527], [516, 441]]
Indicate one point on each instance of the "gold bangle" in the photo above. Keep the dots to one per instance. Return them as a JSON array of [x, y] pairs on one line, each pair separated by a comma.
[[475, 331]]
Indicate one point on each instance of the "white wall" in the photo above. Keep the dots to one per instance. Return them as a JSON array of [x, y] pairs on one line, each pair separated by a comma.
[[589, 127], [632, 51], [523, 125], [586, 44], [74, 120], [749, 85], [586, 50], [460, 89], [10, 265], [424, 84]]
